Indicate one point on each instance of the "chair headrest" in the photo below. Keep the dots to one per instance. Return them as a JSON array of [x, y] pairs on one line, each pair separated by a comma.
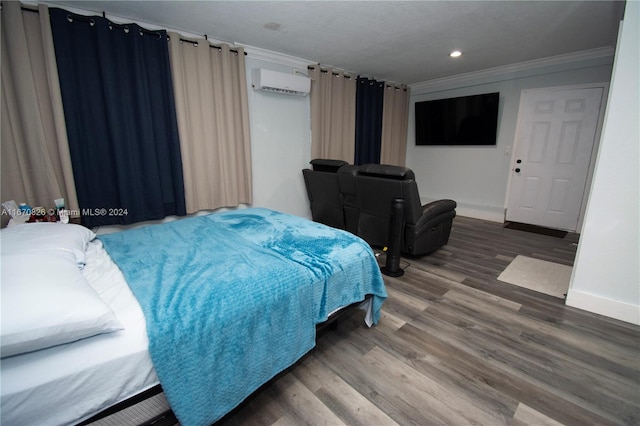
[[387, 171], [327, 165], [349, 169]]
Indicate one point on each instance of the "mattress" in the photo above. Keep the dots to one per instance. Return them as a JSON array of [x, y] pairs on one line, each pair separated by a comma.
[[70, 383]]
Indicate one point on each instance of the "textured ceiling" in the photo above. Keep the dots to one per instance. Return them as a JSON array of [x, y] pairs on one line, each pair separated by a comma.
[[399, 41]]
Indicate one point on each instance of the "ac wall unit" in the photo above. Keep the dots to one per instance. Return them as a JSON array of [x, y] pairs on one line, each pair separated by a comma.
[[279, 82]]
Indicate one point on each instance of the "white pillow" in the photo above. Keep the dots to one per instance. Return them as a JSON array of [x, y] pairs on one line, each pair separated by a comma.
[[46, 301], [41, 237]]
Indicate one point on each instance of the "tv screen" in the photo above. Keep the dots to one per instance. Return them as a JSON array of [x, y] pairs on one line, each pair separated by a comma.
[[467, 120]]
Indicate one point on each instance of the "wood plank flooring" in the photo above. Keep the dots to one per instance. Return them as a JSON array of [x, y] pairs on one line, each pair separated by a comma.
[[456, 346]]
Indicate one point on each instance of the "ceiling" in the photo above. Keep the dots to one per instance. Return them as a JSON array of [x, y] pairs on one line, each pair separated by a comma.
[[401, 41]]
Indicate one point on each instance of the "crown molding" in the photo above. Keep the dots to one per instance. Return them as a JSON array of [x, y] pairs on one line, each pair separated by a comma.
[[271, 56], [491, 75]]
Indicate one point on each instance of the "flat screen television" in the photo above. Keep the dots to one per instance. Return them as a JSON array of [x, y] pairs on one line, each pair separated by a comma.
[[467, 120]]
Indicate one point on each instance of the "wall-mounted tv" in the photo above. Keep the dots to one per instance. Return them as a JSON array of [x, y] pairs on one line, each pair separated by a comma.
[[467, 120]]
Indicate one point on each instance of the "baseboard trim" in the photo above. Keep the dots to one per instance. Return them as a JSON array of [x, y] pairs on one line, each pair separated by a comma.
[[491, 216], [475, 211], [599, 305]]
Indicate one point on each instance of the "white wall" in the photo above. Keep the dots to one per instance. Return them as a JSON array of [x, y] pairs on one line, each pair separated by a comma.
[[606, 276], [280, 143], [476, 177]]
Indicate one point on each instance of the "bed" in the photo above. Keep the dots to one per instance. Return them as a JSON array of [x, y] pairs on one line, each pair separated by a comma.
[[210, 307]]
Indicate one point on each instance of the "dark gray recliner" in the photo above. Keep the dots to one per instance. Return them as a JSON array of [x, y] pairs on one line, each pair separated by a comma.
[[359, 198], [425, 227], [323, 192]]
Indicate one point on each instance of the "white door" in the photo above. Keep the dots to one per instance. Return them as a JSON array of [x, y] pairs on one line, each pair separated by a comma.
[[552, 151]]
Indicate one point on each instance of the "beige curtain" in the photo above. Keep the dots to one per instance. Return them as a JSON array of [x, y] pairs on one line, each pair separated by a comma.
[[36, 164], [210, 92], [395, 120], [333, 114]]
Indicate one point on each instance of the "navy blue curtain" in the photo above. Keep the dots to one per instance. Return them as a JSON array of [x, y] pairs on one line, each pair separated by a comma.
[[369, 101], [120, 115]]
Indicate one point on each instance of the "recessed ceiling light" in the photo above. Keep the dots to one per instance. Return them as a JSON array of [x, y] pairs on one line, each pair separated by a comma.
[[272, 26], [455, 54]]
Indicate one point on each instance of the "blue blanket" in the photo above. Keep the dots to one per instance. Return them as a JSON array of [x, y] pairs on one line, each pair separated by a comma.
[[231, 299]]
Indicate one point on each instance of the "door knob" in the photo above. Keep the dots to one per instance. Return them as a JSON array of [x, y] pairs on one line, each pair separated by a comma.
[[517, 170], [518, 161]]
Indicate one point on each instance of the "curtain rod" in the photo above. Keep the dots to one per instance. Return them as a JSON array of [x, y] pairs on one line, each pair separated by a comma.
[[389, 85], [143, 30], [312, 67], [211, 45], [402, 87]]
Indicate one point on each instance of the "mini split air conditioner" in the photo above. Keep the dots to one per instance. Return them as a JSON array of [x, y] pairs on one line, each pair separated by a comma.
[[278, 82]]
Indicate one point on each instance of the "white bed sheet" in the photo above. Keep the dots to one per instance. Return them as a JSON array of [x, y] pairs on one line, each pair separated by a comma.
[[70, 383]]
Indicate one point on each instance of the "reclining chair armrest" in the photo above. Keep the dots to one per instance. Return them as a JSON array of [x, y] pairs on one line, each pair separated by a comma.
[[433, 209], [439, 206]]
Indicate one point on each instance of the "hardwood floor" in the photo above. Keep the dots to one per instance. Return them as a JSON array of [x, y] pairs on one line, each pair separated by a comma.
[[456, 346]]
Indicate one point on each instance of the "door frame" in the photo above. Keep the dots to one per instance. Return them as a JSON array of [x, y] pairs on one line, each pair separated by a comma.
[[594, 151]]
